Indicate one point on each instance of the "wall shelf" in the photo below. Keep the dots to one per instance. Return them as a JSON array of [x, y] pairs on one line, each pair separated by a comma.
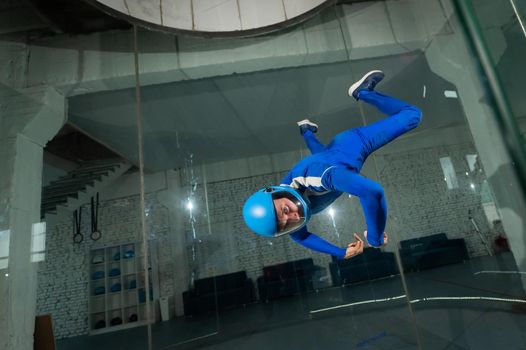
[[123, 306]]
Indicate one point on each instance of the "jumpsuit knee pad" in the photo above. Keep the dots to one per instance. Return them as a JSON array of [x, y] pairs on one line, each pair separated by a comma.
[[413, 117]]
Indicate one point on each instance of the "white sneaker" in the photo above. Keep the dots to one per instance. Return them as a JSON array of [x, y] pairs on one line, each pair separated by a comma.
[[305, 125], [367, 82]]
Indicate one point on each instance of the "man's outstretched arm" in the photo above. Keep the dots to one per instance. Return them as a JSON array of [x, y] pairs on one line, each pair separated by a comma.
[[371, 196], [311, 241]]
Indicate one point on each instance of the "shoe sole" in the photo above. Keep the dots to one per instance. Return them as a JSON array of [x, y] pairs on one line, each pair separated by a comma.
[[359, 82], [308, 122]]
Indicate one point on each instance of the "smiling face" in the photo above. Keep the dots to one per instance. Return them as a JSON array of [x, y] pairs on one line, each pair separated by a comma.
[[287, 212]]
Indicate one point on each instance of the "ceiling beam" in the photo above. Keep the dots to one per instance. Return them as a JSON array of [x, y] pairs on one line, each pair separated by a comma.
[[17, 17]]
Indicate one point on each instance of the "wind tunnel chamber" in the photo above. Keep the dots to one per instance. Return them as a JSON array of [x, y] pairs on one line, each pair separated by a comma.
[[155, 133]]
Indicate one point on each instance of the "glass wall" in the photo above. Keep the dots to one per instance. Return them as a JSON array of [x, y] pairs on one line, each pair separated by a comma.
[[151, 144], [506, 43], [224, 122], [114, 262], [71, 247], [223, 125]]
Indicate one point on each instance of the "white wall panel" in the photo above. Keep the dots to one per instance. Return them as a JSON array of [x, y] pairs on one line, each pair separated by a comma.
[[257, 13], [146, 10], [213, 15], [118, 5], [177, 14], [295, 8], [365, 31], [216, 15]]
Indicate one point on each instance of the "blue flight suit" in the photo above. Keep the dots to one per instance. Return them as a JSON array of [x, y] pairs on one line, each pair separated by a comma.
[[334, 169]]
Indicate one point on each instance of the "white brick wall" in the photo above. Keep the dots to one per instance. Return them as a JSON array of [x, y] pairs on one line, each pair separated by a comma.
[[158, 229], [63, 276], [420, 202], [231, 246]]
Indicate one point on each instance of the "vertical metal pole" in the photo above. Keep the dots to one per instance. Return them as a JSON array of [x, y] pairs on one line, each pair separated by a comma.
[[140, 143]]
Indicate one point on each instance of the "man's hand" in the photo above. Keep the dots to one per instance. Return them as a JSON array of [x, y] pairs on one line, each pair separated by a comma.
[[354, 248], [383, 245]]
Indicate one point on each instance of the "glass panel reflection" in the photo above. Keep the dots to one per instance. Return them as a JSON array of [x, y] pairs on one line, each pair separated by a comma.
[[224, 136], [228, 135]]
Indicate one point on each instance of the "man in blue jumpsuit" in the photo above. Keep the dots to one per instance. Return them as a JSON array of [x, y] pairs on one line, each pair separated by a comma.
[[319, 179]]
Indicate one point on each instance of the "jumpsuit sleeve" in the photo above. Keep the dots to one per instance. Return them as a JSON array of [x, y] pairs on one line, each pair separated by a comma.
[[372, 199], [311, 241]]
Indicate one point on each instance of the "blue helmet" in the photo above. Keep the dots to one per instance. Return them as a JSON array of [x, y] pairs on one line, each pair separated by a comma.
[[260, 214]]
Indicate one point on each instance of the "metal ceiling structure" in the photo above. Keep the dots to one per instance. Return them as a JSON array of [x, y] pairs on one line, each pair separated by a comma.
[[214, 18], [37, 18]]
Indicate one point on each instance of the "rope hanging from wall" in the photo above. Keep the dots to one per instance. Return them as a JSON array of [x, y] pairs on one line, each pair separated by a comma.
[[77, 235], [95, 233]]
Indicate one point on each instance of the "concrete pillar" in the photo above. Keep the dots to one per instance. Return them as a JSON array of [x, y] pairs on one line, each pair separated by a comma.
[[449, 56], [29, 119]]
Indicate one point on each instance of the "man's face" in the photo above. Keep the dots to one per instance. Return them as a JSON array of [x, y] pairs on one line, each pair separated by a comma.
[[286, 212]]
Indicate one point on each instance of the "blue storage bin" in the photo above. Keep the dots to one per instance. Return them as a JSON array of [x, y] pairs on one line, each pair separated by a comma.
[[129, 254], [116, 287], [114, 272], [97, 275]]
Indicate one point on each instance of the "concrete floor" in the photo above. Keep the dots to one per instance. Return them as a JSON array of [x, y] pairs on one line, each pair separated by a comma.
[[289, 324]]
